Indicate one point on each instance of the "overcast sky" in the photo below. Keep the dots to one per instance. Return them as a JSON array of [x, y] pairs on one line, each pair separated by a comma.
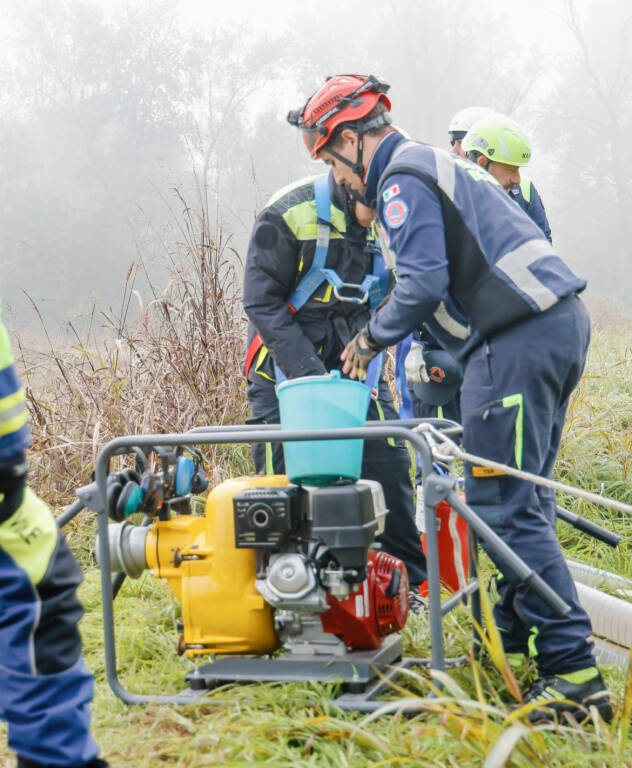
[[102, 118]]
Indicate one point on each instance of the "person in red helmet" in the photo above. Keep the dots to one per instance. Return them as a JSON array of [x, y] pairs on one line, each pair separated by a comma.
[[457, 235], [345, 98]]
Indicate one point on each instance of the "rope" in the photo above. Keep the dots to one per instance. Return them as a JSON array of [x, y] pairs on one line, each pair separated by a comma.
[[444, 449]]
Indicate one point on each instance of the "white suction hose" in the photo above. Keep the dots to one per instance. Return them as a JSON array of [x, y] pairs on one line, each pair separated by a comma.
[[611, 618], [596, 577], [609, 653]]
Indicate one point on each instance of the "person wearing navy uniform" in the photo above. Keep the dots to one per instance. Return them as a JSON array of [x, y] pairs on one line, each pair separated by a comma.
[[498, 144], [296, 331], [46, 688], [455, 232]]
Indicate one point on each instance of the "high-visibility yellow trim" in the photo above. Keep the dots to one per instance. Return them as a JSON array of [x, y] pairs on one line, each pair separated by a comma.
[[525, 188], [380, 412], [486, 472], [6, 355], [517, 401], [29, 536], [303, 221], [531, 643], [515, 659], [263, 353], [553, 693], [269, 459], [580, 676], [10, 400], [13, 413], [327, 296], [13, 425]]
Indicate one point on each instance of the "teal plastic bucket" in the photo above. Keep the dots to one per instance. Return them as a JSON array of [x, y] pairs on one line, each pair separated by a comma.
[[323, 402]]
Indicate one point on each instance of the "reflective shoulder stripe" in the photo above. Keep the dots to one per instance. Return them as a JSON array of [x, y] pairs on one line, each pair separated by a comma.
[[446, 171], [515, 265], [29, 536], [302, 221], [387, 254], [448, 323], [13, 413], [525, 188], [401, 147], [307, 181]]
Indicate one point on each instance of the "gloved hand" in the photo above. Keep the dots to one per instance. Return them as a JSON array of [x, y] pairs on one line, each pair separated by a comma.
[[415, 365], [358, 354]]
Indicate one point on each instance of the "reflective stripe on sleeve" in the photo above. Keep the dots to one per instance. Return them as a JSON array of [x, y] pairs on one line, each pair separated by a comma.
[[29, 536], [515, 265], [449, 324], [13, 413], [446, 172]]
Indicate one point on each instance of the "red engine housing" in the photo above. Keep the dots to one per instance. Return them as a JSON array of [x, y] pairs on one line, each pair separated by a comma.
[[377, 608]]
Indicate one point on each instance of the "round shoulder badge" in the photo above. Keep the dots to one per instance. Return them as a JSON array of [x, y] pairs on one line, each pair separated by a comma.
[[396, 213]]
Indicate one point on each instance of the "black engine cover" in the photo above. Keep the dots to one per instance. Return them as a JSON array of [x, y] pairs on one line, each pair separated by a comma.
[[343, 518], [264, 517]]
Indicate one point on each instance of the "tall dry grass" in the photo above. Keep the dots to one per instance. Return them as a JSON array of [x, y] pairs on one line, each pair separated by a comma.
[[177, 366], [180, 365]]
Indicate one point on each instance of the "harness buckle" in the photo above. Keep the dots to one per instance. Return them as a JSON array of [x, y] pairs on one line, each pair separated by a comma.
[[361, 297]]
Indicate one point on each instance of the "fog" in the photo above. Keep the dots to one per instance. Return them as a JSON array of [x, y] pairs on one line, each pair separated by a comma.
[[114, 115]]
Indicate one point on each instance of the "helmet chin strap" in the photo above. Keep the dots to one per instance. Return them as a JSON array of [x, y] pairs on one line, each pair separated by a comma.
[[357, 167], [361, 128]]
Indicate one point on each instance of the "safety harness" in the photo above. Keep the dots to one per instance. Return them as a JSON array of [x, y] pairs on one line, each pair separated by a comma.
[[372, 289]]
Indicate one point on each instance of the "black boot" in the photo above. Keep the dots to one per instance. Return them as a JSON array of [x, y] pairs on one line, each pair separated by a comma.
[[569, 694]]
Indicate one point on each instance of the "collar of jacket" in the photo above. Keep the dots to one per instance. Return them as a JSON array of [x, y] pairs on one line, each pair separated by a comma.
[[378, 163]]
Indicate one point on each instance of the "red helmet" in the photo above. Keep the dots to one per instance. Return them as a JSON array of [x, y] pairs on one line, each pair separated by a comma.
[[343, 98]]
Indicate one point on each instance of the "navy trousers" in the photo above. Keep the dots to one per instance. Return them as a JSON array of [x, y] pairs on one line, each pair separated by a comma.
[[388, 462], [514, 399]]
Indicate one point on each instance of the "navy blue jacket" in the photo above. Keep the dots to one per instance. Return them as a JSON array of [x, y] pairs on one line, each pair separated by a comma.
[[528, 198], [457, 233]]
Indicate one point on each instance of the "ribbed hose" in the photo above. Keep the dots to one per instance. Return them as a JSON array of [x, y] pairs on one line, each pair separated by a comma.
[[611, 618], [609, 653], [596, 577]]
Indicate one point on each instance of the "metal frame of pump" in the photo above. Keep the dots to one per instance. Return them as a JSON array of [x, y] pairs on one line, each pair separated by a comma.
[[436, 489]]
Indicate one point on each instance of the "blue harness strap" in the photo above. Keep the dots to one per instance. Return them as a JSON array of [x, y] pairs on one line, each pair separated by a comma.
[[374, 374], [380, 273], [371, 290], [314, 277]]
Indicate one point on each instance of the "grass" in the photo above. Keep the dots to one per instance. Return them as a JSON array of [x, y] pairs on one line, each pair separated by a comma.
[[179, 366]]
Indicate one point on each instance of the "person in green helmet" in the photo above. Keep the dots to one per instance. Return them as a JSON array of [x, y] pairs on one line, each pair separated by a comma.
[[498, 144]]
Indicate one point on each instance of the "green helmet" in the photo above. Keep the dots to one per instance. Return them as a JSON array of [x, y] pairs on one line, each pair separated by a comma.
[[500, 139]]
